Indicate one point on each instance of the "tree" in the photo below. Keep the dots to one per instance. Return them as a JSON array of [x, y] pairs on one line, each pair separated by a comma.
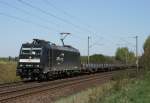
[[145, 59], [121, 54], [84, 59], [125, 56], [98, 58], [131, 58]]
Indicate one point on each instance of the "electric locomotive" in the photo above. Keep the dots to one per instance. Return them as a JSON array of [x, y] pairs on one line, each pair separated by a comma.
[[44, 60]]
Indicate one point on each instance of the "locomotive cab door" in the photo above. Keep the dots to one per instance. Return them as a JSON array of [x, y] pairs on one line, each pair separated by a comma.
[[50, 57]]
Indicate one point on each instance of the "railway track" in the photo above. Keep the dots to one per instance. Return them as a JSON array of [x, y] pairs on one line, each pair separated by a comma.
[[11, 87], [20, 90], [31, 89], [14, 84], [10, 84]]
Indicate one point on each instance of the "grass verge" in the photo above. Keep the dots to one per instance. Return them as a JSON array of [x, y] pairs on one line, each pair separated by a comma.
[[130, 90], [126, 87], [8, 72]]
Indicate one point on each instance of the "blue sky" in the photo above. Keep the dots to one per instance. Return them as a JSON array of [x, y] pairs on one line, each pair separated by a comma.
[[109, 23]]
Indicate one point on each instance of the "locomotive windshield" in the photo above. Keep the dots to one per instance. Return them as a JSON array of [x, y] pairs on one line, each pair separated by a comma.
[[31, 51]]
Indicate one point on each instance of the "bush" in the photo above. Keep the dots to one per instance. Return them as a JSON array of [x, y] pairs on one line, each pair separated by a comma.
[[145, 58]]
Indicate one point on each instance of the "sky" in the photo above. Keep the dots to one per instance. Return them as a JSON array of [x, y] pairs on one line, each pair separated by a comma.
[[109, 23]]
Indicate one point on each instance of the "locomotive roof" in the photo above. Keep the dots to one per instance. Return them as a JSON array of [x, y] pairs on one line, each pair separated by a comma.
[[38, 42], [65, 48]]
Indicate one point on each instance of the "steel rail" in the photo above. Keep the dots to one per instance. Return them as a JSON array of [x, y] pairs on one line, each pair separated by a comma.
[[27, 91]]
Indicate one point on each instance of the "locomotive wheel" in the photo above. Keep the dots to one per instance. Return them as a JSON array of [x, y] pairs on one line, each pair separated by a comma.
[[49, 76], [42, 77]]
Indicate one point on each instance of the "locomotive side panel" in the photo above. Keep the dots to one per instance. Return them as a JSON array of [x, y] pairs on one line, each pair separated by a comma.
[[62, 60]]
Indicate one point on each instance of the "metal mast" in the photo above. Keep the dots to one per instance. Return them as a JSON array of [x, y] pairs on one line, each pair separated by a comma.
[[137, 59], [88, 50]]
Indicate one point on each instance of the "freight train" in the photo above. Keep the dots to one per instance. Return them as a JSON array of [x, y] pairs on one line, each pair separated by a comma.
[[40, 60]]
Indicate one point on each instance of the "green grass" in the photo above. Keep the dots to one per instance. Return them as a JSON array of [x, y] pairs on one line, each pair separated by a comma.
[[126, 87], [8, 72], [135, 91], [87, 96]]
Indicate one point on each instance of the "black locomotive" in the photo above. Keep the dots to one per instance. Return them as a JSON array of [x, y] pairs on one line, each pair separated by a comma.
[[44, 60]]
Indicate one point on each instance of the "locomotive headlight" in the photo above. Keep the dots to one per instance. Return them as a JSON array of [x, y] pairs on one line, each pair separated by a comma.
[[21, 65], [37, 65]]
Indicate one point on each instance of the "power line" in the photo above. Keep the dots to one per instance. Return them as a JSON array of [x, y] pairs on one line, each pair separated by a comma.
[[39, 9], [24, 20], [30, 14], [26, 12], [66, 13], [50, 14], [54, 16], [71, 16]]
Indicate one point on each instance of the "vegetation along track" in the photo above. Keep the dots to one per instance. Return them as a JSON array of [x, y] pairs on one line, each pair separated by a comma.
[[34, 88]]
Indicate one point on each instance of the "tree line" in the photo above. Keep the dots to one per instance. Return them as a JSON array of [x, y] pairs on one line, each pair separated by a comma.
[[7, 59], [122, 55], [145, 58]]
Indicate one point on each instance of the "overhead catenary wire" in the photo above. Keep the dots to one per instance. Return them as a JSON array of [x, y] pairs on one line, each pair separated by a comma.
[[42, 11], [55, 16], [28, 13], [128, 43], [31, 14], [46, 26], [42, 19], [50, 14], [72, 17], [25, 21], [68, 14]]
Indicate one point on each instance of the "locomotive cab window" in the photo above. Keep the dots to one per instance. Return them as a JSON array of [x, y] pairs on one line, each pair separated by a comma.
[[31, 51], [36, 52], [25, 52]]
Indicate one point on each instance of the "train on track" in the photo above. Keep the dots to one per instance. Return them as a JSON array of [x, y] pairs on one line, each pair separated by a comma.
[[40, 60]]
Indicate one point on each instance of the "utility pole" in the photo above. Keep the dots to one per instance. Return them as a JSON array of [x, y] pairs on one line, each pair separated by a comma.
[[88, 50], [137, 59], [126, 56]]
